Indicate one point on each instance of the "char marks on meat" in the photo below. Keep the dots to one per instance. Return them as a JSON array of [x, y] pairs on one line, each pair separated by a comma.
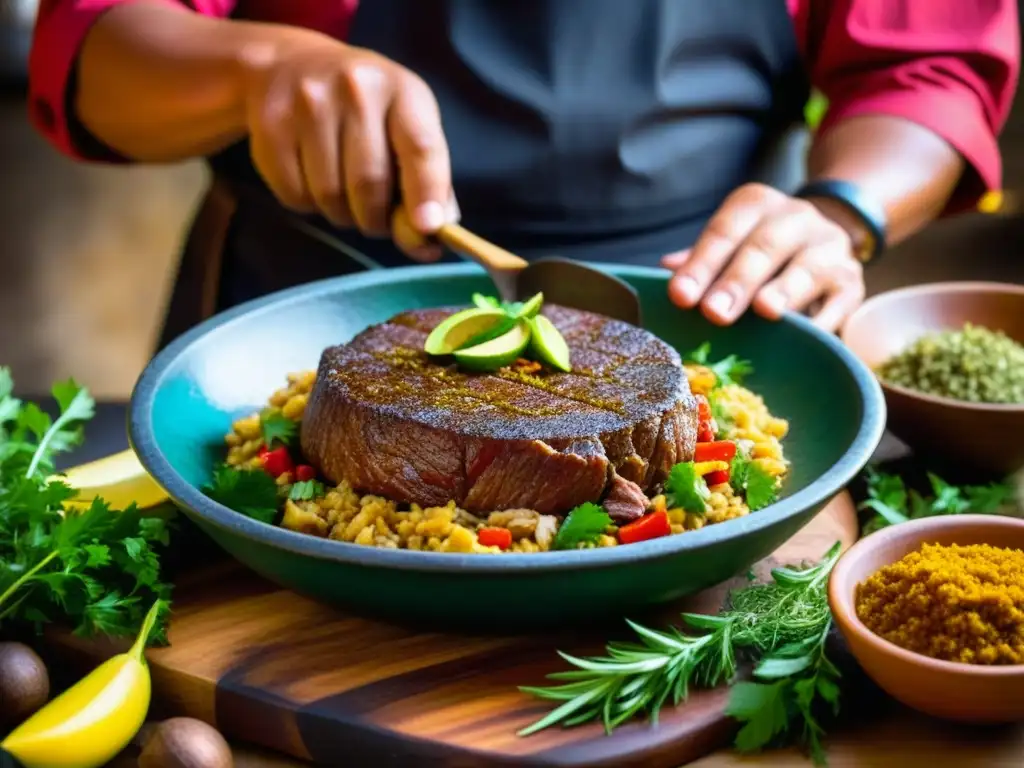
[[393, 422]]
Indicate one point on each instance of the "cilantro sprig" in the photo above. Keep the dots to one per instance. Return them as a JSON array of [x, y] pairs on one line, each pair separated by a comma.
[[729, 370], [781, 626], [277, 429], [583, 525], [686, 489], [758, 488], [892, 503], [251, 492], [98, 569]]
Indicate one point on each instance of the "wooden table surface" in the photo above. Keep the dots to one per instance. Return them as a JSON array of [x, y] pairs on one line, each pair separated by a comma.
[[894, 737], [872, 732]]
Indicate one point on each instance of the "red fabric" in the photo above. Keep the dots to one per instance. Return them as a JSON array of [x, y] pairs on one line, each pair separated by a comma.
[[949, 65]]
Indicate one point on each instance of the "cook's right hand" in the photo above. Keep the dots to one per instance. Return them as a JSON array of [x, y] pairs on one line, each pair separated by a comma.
[[325, 120]]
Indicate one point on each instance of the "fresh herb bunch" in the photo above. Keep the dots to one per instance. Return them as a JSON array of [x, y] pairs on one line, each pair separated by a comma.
[[98, 569], [728, 370], [780, 626], [891, 502]]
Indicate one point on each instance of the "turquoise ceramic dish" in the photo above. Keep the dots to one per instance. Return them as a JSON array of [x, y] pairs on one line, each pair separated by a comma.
[[189, 394]]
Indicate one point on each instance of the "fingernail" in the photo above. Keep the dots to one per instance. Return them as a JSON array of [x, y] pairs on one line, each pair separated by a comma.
[[675, 260], [429, 216], [689, 288], [720, 303], [775, 300]]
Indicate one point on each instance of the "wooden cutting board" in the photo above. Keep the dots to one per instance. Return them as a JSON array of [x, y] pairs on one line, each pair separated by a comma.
[[271, 668]]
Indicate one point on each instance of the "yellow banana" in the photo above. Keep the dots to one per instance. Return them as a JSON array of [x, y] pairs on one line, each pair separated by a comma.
[[91, 722], [119, 480]]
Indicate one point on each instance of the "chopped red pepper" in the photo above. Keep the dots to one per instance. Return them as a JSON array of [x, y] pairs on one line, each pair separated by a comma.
[[717, 478], [718, 450], [277, 462], [705, 431], [304, 472], [650, 526], [495, 537], [263, 451]]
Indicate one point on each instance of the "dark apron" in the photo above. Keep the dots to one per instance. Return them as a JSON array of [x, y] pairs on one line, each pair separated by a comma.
[[606, 130]]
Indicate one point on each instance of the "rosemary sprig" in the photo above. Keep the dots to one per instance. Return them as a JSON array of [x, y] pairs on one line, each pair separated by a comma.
[[781, 626]]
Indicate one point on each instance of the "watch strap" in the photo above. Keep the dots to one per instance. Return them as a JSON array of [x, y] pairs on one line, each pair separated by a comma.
[[870, 213]]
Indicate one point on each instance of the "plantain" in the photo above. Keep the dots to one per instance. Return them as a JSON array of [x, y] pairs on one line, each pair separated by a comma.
[[91, 722]]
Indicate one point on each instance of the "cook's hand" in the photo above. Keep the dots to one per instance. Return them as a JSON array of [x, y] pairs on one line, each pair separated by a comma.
[[773, 251], [325, 120]]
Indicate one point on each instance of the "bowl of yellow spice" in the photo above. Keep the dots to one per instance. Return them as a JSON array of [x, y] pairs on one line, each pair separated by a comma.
[[950, 359], [933, 611]]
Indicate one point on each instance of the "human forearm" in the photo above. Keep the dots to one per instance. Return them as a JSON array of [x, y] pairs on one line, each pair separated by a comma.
[[332, 128], [903, 167], [157, 82]]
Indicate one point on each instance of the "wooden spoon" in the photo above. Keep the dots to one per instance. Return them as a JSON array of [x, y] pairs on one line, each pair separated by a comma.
[[562, 281], [503, 267]]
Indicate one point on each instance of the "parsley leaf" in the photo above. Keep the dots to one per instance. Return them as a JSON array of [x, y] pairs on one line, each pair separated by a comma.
[[9, 405], [252, 492], [761, 707], [583, 524], [686, 489], [65, 432], [93, 569], [892, 503], [988, 499], [305, 490], [277, 428], [728, 370], [758, 488]]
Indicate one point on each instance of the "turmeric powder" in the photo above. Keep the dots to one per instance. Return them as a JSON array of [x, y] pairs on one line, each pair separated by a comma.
[[956, 603]]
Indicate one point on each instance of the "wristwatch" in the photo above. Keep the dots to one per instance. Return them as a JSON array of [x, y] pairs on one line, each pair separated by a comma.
[[869, 240]]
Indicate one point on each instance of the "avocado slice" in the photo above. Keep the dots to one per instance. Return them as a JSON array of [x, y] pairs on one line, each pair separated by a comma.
[[547, 345], [496, 353], [461, 328]]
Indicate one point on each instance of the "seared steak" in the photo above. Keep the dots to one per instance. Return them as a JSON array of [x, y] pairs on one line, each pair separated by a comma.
[[393, 422]]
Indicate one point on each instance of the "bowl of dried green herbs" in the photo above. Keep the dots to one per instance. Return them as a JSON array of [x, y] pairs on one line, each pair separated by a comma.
[[950, 359]]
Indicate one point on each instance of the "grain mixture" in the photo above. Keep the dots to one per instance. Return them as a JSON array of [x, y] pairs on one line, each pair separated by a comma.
[[343, 514], [956, 603]]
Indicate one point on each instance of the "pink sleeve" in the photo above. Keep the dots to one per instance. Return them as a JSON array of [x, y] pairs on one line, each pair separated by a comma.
[[948, 65], [61, 27]]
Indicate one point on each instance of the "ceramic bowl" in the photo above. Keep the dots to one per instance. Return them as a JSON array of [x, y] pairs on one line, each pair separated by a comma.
[[964, 692], [188, 396], [952, 431]]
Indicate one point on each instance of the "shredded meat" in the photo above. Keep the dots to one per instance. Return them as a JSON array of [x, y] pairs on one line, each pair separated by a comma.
[[625, 500]]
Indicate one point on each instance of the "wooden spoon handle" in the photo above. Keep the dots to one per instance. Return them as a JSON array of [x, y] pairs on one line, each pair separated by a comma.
[[485, 253]]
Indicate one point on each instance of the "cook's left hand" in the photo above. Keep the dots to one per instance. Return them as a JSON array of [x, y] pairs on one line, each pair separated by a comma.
[[775, 252]]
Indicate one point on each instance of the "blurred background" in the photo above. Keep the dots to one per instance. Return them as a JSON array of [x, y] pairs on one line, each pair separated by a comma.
[[88, 252]]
